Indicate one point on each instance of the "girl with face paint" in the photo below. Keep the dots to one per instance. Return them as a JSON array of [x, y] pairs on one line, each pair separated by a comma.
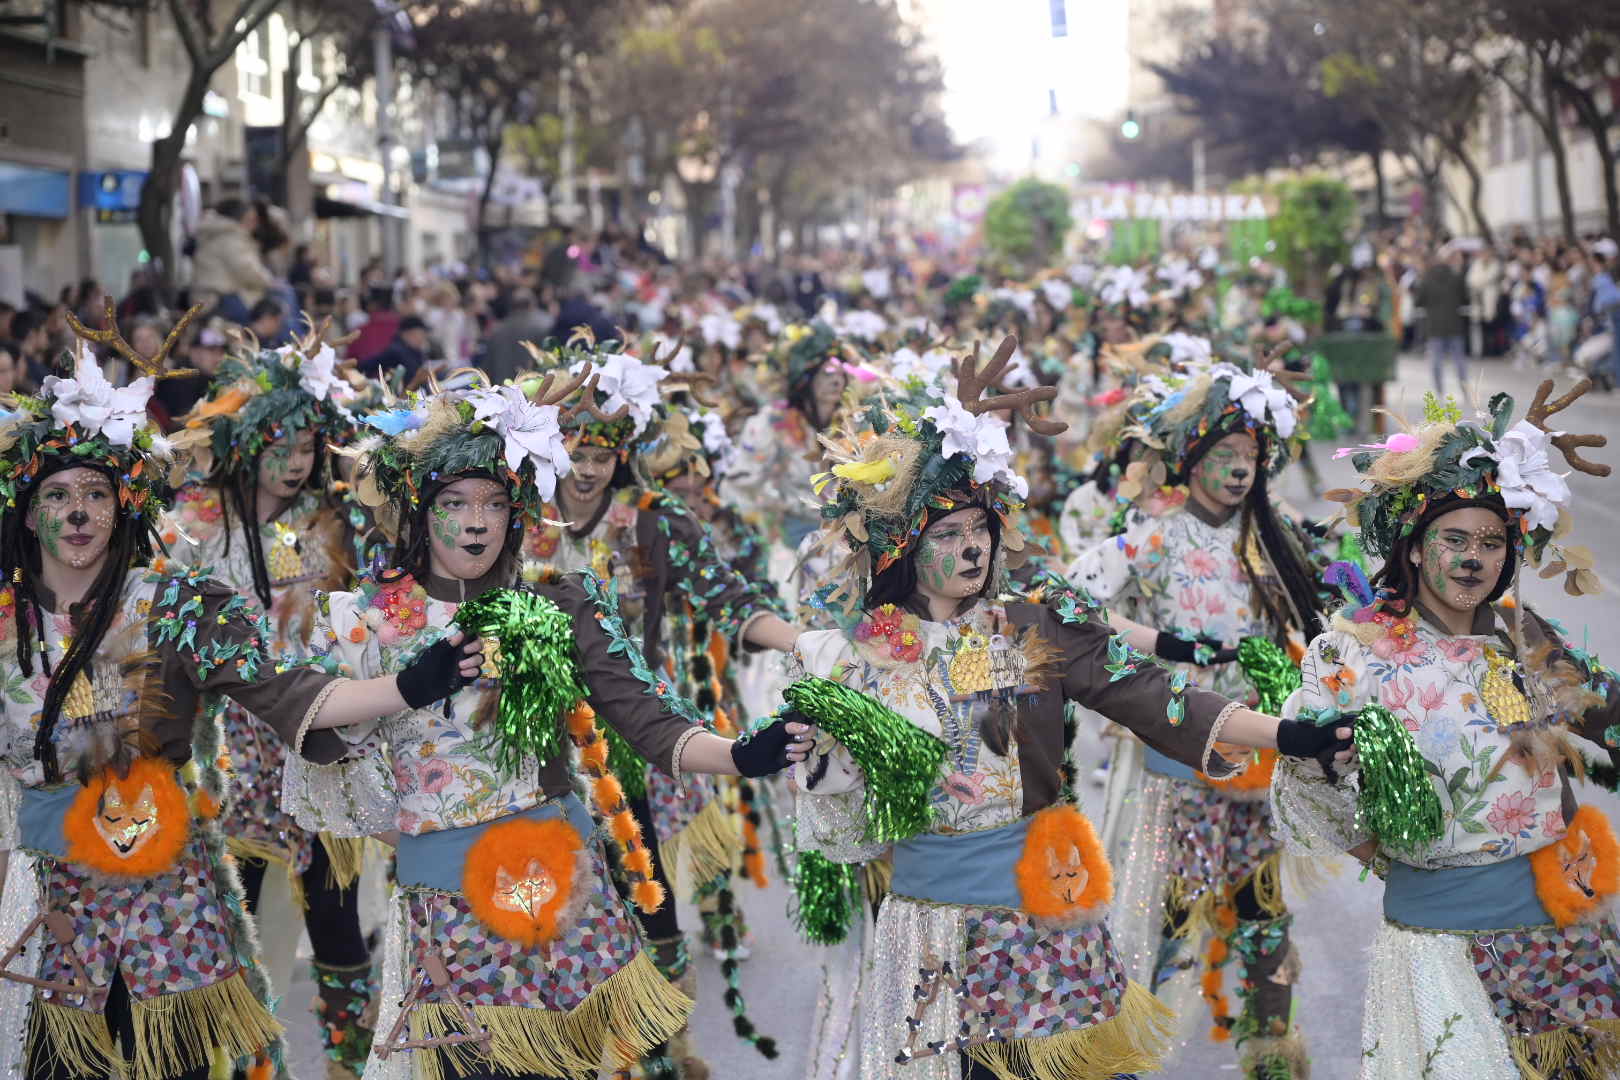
[[1003, 875], [266, 524], [1508, 863], [499, 863], [1188, 584], [118, 667]]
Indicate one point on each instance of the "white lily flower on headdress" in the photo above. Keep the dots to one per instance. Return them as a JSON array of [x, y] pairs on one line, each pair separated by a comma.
[[318, 377], [531, 432], [1261, 397], [1188, 349], [1022, 299], [717, 443], [906, 363], [1524, 473], [862, 325], [1082, 274], [1125, 285], [982, 437], [1208, 258], [767, 314], [627, 381], [719, 328], [876, 282], [97, 406], [1179, 277], [1058, 293]]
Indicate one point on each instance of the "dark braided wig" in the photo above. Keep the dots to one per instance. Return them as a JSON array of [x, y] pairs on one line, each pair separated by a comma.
[[131, 544]]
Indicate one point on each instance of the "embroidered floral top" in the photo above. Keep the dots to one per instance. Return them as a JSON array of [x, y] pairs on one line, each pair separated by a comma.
[[1182, 575], [940, 676], [1496, 805], [648, 545], [776, 454], [422, 770], [177, 642], [306, 549]]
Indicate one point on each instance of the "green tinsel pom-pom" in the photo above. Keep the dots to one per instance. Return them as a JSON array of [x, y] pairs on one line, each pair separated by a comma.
[[825, 895], [539, 679], [1270, 670], [1397, 801], [900, 760], [1350, 551]]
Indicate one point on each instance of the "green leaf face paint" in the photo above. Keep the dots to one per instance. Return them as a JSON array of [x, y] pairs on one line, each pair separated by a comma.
[[1225, 475], [73, 516], [953, 556], [1461, 558], [468, 525]]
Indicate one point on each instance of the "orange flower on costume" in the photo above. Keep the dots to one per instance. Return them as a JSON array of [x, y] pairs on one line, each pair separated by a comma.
[[520, 877], [1063, 876], [131, 826], [1577, 874]]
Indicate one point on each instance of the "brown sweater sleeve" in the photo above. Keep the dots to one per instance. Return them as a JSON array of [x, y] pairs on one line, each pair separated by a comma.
[[1097, 668], [209, 640], [624, 691]]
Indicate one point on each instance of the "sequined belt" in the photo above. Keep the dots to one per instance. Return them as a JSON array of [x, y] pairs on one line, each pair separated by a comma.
[[976, 868], [437, 860], [1495, 896], [1155, 762]]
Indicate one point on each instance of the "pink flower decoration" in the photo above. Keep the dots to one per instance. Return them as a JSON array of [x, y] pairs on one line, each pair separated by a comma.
[[1201, 564], [1400, 643], [407, 821], [964, 788], [1398, 443], [1553, 824], [1431, 697], [404, 778], [1513, 813], [1397, 696], [436, 776], [1460, 650]]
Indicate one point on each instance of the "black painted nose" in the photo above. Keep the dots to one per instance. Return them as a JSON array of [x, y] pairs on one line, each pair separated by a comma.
[[78, 517], [1240, 474], [1472, 564], [972, 554]]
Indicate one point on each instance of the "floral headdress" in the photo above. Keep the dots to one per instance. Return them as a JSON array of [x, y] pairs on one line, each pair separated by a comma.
[[622, 398], [501, 431], [259, 395], [1491, 456], [85, 420], [1178, 415], [924, 459]]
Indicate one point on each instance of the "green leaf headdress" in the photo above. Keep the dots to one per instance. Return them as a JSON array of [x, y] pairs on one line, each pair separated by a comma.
[[922, 459]]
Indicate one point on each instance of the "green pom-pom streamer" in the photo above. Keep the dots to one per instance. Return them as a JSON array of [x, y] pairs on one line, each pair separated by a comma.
[[1350, 551], [539, 678], [1270, 670], [825, 898], [1397, 801], [900, 760]]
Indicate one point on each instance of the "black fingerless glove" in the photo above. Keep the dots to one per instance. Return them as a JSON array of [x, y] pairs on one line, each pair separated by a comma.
[[1298, 739], [764, 752], [434, 675], [1203, 651]]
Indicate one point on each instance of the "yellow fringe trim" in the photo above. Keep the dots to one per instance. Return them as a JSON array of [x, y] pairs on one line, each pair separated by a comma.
[[1133, 1041], [877, 875], [1200, 919], [712, 843], [175, 1033], [1555, 1051], [346, 856], [635, 1009], [247, 848], [79, 1041]]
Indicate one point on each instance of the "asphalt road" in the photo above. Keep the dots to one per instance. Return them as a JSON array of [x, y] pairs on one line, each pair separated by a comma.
[[1334, 924]]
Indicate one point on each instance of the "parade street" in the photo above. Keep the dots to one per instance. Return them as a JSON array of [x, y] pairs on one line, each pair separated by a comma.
[[1334, 920]]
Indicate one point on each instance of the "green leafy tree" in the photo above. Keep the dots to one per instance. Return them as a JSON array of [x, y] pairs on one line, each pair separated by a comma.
[[1315, 219], [1027, 222]]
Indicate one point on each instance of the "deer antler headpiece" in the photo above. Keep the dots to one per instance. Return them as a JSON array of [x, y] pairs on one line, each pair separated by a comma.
[[923, 460], [615, 404], [260, 395], [1413, 475]]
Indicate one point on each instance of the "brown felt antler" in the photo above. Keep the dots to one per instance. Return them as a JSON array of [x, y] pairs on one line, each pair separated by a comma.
[[700, 382], [972, 382], [550, 392], [146, 365], [310, 344], [1570, 445]]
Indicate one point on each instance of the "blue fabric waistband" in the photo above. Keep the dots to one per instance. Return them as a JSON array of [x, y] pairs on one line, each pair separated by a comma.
[[1495, 896], [40, 816], [435, 860], [962, 868], [1155, 762]]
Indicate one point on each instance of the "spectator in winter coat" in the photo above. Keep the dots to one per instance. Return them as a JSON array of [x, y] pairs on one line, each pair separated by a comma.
[[408, 350], [227, 268], [504, 355], [1442, 293]]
